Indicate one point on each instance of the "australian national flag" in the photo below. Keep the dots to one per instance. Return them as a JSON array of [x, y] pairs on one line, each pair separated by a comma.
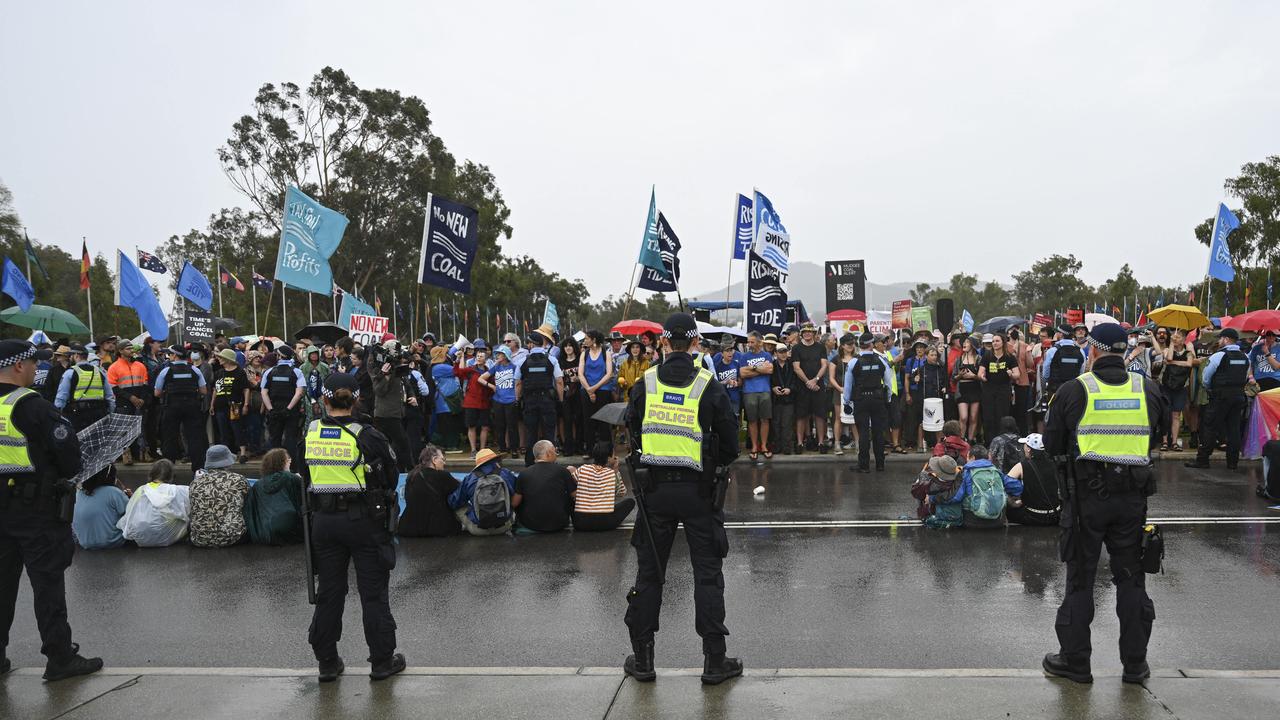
[[147, 261], [261, 282]]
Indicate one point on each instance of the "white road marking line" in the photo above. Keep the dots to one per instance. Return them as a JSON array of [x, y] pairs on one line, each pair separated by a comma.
[[880, 524], [561, 671]]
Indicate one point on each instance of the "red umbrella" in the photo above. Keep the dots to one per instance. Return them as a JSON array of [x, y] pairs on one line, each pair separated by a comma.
[[636, 327], [1255, 321]]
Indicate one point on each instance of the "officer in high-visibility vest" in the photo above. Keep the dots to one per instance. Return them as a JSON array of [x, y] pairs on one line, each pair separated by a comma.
[[676, 415], [1104, 422], [38, 453], [84, 394], [350, 471]]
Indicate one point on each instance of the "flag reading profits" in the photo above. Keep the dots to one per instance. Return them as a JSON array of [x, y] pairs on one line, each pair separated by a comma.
[[133, 291], [193, 286], [230, 280], [449, 242], [15, 285], [550, 316], [1219, 255], [147, 261], [742, 228], [310, 235]]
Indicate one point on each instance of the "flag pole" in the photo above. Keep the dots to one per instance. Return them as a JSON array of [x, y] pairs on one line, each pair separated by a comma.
[[87, 295], [253, 278], [220, 287], [632, 292], [732, 248], [311, 311], [395, 327], [284, 312], [141, 327], [24, 237]]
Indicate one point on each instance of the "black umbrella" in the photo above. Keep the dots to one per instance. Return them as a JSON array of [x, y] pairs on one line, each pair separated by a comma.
[[325, 332], [999, 324], [221, 323], [612, 414]]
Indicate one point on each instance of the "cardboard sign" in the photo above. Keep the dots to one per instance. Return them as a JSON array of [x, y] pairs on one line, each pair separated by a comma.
[[1075, 316], [367, 329], [199, 326]]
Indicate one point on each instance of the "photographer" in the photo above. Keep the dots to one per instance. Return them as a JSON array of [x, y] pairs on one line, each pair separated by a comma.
[[388, 365], [1144, 354]]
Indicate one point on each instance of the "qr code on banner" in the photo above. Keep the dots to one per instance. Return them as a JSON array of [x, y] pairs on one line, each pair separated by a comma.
[[844, 291]]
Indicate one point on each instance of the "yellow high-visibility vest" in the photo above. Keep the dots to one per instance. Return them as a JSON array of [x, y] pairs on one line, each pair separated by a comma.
[[670, 435], [14, 456], [1114, 427], [90, 384], [333, 457]]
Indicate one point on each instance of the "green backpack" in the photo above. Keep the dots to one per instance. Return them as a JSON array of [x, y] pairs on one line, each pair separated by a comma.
[[986, 498]]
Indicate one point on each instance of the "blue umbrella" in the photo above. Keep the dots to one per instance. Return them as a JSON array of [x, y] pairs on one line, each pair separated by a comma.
[[999, 324]]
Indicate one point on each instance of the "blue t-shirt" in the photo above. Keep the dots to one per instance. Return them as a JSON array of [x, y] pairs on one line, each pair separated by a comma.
[[757, 383], [1258, 359], [504, 383], [726, 371], [95, 517]]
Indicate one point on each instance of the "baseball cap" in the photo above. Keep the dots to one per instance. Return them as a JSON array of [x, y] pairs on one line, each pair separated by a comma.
[[1035, 441]]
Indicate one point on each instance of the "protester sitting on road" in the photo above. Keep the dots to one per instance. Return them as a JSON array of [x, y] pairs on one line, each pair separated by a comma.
[[100, 503], [217, 501], [935, 484], [983, 491], [482, 501], [1004, 450], [952, 444], [426, 496], [599, 503], [1038, 504], [156, 515], [544, 492], [273, 509]]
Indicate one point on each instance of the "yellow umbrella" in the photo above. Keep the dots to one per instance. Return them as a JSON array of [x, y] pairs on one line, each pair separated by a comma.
[[1181, 317]]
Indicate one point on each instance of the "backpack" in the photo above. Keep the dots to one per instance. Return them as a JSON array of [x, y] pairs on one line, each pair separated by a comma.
[[491, 502], [986, 496]]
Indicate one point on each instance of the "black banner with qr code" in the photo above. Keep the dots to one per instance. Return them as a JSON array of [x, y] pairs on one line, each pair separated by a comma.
[[846, 285]]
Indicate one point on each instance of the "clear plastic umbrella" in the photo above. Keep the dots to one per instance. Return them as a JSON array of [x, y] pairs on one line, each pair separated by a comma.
[[1091, 319], [102, 442]]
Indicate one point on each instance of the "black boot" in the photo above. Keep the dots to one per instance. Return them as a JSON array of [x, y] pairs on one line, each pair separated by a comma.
[[1196, 464], [331, 669], [718, 668], [387, 668], [640, 664], [879, 466], [1136, 672], [71, 666], [1055, 665]]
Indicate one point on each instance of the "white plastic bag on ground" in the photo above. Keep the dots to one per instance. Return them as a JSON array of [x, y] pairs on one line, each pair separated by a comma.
[[156, 515]]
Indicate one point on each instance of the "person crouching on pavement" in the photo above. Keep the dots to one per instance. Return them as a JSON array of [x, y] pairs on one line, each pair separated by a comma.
[[483, 498]]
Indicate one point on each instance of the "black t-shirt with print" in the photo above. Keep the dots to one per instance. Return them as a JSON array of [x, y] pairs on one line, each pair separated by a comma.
[[998, 367], [229, 387]]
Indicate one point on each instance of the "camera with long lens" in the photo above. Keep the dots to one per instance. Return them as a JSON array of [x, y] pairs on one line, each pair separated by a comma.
[[399, 358]]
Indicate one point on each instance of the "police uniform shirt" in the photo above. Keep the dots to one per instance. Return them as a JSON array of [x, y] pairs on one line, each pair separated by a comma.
[[51, 440], [1215, 364], [851, 378], [65, 391], [1068, 405], [372, 444], [299, 380], [714, 412], [556, 372], [173, 366], [1046, 363]]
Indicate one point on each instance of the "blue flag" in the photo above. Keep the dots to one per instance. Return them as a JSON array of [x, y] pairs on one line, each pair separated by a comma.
[[450, 241], [17, 287], [133, 291], [352, 306], [551, 316], [742, 228], [966, 321], [651, 246], [772, 242], [1219, 255], [193, 286], [311, 234]]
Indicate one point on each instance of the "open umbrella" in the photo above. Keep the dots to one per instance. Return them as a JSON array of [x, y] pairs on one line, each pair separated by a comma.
[[636, 327], [999, 324], [102, 442], [1091, 319], [612, 414], [42, 317], [1179, 317], [1255, 321], [716, 331], [325, 332], [222, 323]]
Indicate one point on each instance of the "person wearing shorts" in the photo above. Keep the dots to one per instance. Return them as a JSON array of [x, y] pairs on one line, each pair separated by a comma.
[[756, 371]]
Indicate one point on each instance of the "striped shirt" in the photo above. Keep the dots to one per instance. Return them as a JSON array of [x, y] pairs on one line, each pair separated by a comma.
[[598, 489]]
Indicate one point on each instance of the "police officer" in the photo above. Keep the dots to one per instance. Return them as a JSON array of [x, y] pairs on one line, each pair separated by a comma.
[[867, 384], [84, 394], [1225, 376], [38, 451], [1063, 362], [351, 474], [675, 413], [283, 387], [539, 386], [1103, 423], [180, 389]]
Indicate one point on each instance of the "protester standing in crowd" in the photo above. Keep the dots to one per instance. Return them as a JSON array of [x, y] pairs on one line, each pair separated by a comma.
[[932, 380], [913, 399], [953, 352], [572, 427], [632, 367], [476, 399], [231, 403], [756, 371], [58, 365], [389, 401], [1179, 364], [846, 352], [969, 387], [447, 415], [253, 422], [595, 373], [997, 371], [503, 409], [315, 371], [1141, 357], [426, 496], [1264, 357], [1024, 383], [129, 381], [727, 367], [417, 399], [599, 502], [783, 383], [809, 361]]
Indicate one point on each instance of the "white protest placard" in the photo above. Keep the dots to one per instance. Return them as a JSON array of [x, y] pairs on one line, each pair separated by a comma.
[[367, 329]]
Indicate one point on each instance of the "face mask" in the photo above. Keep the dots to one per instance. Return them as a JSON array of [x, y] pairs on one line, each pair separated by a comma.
[[1133, 342], [195, 356]]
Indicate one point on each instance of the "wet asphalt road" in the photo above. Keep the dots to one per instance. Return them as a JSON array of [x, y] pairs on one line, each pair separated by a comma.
[[894, 596]]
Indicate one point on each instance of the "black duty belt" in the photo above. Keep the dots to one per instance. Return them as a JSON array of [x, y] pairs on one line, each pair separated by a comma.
[[668, 475], [338, 502]]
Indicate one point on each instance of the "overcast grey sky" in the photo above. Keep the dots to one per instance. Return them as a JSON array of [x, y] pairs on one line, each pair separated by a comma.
[[928, 138]]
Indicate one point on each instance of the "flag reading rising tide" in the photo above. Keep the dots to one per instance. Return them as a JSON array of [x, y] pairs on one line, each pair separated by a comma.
[[311, 234], [193, 286], [16, 286], [666, 279], [766, 298], [1219, 255], [449, 242], [650, 246], [742, 220], [772, 243]]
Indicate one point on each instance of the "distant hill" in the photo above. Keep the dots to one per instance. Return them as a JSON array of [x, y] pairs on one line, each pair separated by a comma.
[[808, 284]]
